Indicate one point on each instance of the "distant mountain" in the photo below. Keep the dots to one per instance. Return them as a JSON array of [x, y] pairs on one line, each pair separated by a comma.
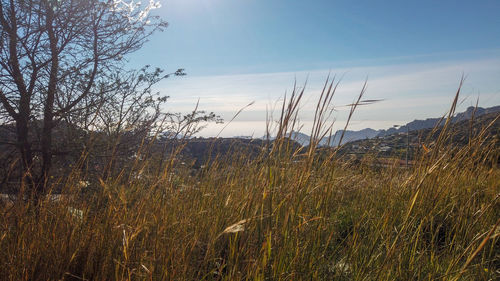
[[396, 145], [199, 151], [304, 139], [301, 138], [350, 136], [432, 122], [466, 115]]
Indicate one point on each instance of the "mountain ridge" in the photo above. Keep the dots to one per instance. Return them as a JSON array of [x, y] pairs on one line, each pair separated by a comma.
[[368, 133]]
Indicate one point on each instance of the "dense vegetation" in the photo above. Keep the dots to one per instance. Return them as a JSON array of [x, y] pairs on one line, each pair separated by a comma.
[[286, 214], [396, 145], [99, 183]]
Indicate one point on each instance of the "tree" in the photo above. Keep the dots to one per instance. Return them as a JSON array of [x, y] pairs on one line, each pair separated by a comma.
[[55, 57], [128, 116]]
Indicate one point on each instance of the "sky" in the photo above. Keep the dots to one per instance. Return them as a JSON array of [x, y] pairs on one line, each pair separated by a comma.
[[411, 53]]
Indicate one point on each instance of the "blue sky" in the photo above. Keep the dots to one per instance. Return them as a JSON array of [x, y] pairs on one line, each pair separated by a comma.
[[413, 53]]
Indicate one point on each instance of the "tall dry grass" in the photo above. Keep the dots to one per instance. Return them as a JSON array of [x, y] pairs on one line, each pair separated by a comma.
[[288, 214]]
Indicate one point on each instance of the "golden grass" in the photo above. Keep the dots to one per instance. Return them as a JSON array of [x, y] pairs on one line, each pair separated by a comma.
[[286, 215]]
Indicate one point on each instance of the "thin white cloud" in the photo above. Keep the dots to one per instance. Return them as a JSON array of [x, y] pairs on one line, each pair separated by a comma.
[[410, 91]]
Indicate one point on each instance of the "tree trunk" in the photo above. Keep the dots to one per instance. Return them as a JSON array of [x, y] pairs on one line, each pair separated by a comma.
[[48, 111], [24, 148], [46, 148]]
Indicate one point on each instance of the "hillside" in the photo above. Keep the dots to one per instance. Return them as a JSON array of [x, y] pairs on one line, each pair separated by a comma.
[[432, 122], [241, 218], [368, 133], [395, 144]]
